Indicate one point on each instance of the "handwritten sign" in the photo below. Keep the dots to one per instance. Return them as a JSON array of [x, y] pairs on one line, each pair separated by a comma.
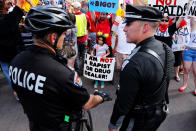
[[171, 7], [181, 37], [108, 6], [97, 68]]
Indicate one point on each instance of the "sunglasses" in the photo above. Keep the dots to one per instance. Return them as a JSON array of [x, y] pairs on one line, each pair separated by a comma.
[[166, 20]]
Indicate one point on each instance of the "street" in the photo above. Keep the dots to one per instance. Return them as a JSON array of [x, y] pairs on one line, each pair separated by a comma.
[[182, 106]]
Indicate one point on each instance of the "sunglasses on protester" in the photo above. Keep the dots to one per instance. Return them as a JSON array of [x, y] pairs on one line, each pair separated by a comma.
[[166, 20]]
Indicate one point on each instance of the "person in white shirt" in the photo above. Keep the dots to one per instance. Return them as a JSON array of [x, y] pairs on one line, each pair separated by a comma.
[[122, 48]]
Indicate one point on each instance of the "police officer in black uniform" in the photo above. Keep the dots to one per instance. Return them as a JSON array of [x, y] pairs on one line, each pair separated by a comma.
[[145, 74], [51, 94]]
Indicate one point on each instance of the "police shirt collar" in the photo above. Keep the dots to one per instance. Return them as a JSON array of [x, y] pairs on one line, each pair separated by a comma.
[[145, 41]]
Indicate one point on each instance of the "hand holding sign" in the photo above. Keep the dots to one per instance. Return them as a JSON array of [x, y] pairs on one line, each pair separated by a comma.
[[20, 3], [27, 4]]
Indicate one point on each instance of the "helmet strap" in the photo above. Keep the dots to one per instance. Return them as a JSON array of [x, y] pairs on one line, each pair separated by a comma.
[[51, 45]]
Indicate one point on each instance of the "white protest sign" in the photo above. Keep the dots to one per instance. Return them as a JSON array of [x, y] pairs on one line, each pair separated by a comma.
[[181, 37], [170, 7], [97, 68]]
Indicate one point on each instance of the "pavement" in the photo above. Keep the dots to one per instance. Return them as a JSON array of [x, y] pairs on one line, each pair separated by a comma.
[[182, 116]]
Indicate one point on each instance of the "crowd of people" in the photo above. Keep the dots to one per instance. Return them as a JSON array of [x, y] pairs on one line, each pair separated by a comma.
[[42, 56]]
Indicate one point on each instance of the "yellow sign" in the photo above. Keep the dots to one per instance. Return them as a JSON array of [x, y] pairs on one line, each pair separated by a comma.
[[27, 6]]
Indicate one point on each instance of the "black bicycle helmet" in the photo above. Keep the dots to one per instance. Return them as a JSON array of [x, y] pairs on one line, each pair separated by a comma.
[[44, 19]]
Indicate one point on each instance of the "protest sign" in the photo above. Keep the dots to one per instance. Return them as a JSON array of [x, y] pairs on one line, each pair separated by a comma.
[[97, 68], [27, 6], [181, 37], [171, 7], [108, 6]]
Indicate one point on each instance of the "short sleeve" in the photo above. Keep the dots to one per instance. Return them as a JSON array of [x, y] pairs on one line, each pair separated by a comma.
[[106, 47], [95, 46], [77, 95]]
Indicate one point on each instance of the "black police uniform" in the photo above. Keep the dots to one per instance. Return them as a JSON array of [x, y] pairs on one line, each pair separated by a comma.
[[140, 77], [47, 89], [142, 95]]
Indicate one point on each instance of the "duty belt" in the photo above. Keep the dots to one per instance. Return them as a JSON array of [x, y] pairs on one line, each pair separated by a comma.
[[143, 108]]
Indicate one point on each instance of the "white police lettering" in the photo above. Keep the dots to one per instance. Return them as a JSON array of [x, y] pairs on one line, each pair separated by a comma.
[[39, 84], [162, 34], [14, 73], [133, 52], [19, 82], [30, 76], [25, 79]]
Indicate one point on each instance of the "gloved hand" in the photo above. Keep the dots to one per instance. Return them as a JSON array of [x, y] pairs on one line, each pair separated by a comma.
[[103, 94]]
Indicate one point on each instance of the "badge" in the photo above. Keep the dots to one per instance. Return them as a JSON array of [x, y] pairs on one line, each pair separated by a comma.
[[77, 80]]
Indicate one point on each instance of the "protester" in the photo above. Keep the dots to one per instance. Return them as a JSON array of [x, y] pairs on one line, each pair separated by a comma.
[[189, 57], [51, 94], [144, 77], [120, 11], [103, 26], [93, 17], [69, 52], [26, 36], [10, 41], [81, 24], [122, 49], [165, 33], [70, 44], [102, 50], [84, 7], [180, 39]]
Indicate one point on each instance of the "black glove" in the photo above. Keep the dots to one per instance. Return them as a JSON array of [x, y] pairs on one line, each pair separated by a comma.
[[103, 94]]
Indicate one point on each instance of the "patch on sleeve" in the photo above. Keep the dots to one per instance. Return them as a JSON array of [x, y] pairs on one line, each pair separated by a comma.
[[77, 80]]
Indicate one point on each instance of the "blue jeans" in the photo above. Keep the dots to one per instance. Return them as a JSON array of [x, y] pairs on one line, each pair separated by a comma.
[[5, 69]]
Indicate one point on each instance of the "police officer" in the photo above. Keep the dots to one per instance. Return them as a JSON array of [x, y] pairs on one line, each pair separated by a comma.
[[144, 78], [51, 94]]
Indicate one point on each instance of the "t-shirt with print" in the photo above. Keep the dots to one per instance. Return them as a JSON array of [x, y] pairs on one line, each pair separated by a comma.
[[100, 50], [166, 36]]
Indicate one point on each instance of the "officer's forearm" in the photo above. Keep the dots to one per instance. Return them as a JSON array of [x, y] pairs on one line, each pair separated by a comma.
[[93, 101]]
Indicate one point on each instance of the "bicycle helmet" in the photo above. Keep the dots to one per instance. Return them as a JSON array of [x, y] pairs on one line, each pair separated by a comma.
[[44, 19]]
